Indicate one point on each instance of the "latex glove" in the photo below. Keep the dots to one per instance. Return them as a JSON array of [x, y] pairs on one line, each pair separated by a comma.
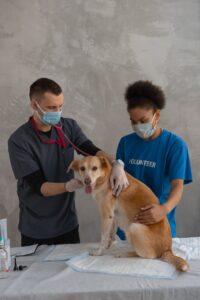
[[73, 184], [150, 214], [118, 178]]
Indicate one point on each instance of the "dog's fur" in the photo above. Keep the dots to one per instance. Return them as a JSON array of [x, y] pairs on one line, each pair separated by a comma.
[[149, 241]]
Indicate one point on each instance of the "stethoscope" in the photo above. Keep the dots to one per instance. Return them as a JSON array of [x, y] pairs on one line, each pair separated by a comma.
[[61, 135]]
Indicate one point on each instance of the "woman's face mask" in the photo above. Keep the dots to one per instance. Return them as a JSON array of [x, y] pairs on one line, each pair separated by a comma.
[[144, 130], [49, 117]]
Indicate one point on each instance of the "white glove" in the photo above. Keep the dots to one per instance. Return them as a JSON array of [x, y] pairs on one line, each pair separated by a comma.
[[73, 184], [118, 178]]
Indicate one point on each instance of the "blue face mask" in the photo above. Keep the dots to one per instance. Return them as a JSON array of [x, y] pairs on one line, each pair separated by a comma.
[[144, 130], [49, 117]]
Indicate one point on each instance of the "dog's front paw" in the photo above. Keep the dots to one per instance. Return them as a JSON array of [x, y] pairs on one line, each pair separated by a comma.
[[110, 243], [113, 243], [95, 252]]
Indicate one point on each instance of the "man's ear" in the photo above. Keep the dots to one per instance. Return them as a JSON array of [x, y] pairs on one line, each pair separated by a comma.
[[73, 166], [33, 104]]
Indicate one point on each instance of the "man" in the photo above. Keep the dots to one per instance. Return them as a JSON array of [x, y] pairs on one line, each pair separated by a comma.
[[40, 152]]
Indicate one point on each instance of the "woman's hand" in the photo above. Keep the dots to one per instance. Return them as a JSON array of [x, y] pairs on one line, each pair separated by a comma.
[[118, 178], [154, 213], [150, 214]]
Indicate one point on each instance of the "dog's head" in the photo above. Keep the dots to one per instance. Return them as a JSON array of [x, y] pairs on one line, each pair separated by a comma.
[[93, 170]]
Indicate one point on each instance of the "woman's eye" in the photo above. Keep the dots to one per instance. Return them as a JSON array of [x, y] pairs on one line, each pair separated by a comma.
[[94, 168], [82, 169]]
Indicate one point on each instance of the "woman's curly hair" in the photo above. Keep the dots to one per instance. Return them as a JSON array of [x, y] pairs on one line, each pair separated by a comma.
[[144, 94]]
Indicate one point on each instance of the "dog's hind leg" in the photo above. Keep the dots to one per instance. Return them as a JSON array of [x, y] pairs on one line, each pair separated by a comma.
[[126, 254], [142, 239]]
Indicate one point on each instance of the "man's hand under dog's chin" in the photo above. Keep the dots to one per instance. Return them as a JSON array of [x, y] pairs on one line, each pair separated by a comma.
[[150, 214], [73, 185]]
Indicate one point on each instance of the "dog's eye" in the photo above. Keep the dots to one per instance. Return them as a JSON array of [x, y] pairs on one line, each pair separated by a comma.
[[94, 168], [82, 169]]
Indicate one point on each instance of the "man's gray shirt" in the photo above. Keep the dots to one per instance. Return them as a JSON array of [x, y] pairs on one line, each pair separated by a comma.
[[44, 217]]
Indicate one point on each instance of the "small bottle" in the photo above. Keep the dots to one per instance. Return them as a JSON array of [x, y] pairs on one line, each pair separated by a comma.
[[3, 259], [3, 255]]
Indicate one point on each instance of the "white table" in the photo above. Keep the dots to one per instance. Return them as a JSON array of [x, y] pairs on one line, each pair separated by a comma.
[[54, 280]]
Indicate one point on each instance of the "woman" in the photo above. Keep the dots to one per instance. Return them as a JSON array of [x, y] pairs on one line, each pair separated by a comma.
[[154, 155]]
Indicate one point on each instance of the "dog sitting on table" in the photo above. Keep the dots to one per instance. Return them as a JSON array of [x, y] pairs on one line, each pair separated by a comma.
[[149, 241]]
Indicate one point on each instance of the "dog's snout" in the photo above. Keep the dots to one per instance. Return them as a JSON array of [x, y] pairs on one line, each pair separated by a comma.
[[87, 181]]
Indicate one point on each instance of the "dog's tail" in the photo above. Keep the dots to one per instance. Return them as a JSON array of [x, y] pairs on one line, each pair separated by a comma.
[[179, 263]]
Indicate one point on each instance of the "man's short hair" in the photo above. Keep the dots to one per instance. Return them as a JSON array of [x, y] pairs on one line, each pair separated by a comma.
[[43, 85]]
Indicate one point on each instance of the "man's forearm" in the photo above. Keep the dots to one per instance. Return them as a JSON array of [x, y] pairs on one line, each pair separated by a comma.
[[52, 188]]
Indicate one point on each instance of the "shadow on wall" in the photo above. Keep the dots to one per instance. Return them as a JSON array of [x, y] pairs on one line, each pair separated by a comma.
[[3, 212]]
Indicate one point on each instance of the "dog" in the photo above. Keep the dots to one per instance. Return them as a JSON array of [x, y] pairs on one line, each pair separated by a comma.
[[149, 241]]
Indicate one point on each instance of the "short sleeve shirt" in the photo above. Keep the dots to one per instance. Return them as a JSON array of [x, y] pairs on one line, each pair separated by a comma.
[[44, 217], [156, 163]]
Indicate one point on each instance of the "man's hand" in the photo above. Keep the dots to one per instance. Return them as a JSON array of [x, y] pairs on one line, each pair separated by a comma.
[[73, 184], [118, 179], [150, 214]]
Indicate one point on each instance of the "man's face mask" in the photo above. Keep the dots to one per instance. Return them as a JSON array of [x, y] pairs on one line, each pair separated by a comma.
[[49, 117], [144, 130]]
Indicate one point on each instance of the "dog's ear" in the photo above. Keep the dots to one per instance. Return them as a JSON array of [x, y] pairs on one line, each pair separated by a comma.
[[105, 162], [73, 166]]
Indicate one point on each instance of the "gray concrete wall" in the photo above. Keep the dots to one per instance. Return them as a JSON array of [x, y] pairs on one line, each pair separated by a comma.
[[94, 48]]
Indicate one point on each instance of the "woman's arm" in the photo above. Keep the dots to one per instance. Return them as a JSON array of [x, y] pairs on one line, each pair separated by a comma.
[[175, 195], [153, 213]]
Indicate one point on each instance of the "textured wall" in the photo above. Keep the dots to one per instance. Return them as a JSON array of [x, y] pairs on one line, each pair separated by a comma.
[[94, 48]]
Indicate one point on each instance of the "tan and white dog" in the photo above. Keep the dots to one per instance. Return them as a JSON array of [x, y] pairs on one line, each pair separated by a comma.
[[149, 241]]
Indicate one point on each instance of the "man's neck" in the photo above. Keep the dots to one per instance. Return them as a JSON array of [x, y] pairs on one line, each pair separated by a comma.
[[40, 125]]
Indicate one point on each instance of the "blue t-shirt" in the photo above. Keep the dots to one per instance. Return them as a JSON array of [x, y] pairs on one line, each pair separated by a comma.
[[156, 163]]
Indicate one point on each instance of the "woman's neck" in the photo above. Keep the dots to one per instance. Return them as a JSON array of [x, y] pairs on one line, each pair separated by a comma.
[[156, 134]]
